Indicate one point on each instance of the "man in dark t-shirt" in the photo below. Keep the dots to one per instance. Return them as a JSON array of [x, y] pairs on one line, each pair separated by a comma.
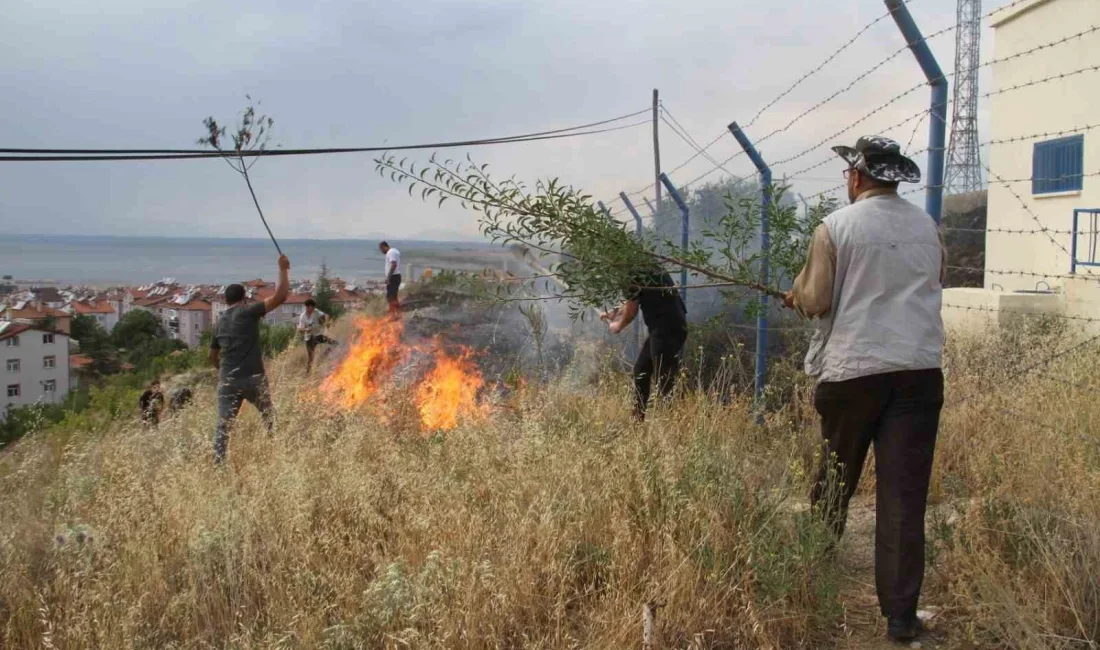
[[654, 294], [236, 350]]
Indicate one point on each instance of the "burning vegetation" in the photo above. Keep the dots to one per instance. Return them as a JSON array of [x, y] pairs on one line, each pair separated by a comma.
[[445, 386]]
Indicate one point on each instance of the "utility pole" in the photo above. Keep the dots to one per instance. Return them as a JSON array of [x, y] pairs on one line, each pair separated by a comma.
[[656, 150]]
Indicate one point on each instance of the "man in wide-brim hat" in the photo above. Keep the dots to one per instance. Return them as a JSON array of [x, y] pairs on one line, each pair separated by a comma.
[[874, 281]]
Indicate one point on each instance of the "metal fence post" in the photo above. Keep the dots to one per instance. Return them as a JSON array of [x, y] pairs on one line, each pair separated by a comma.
[[765, 262], [937, 128], [679, 200], [1073, 245], [652, 210], [637, 235], [603, 208]]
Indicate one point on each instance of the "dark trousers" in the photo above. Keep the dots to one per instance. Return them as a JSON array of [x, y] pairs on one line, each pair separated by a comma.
[[659, 359], [232, 393], [900, 413]]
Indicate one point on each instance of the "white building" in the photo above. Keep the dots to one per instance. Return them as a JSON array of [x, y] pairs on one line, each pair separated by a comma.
[[186, 318], [36, 365], [1040, 164]]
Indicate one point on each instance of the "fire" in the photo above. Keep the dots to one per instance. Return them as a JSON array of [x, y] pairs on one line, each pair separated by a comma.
[[449, 392], [374, 354]]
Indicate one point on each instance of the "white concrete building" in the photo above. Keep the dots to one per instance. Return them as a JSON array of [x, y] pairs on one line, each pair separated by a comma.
[[186, 318], [1040, 164], [35, 365]]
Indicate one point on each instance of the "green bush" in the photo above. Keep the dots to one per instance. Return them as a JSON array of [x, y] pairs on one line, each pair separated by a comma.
[[275, 338]]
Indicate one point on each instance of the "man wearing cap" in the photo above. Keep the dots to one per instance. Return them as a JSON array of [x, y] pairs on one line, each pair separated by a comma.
[[874, 281], [235, 350]]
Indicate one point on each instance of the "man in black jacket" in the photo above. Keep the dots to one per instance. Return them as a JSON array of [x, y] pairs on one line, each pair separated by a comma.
[[654, 294]]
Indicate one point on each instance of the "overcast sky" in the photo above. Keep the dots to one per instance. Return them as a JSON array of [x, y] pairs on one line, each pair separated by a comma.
[[143, 74]]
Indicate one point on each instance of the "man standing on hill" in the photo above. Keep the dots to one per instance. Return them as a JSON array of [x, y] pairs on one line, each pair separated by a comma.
[[236, 350], [874, 279], [393, 275], [653, 292]]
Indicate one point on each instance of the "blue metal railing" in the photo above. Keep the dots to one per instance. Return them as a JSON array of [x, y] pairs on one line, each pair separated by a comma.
[[1075, 261]]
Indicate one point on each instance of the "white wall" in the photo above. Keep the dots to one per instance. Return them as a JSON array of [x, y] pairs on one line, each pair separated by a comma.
[[32, 372], [1043, 108]]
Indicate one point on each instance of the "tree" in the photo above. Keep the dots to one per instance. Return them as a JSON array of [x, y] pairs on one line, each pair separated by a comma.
[[136, 328], [323, 293], [91, 335], [598, 258]]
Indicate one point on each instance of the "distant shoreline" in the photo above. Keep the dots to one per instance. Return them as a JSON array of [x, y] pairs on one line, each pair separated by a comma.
[[110, 260]]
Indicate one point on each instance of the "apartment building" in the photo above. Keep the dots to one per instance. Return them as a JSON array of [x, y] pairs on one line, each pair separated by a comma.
[[35, 365]]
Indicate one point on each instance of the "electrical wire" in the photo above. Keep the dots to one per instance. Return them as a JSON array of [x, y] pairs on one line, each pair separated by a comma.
[[39, 155]]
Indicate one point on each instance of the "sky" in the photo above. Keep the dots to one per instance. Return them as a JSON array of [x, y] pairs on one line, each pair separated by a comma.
[[144, 74]]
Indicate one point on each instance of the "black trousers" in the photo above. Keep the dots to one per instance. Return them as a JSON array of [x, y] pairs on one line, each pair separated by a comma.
[[393, 284], [900, 413], [658, 359]]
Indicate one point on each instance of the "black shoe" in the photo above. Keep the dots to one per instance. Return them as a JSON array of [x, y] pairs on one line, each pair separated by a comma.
[[904, 629]]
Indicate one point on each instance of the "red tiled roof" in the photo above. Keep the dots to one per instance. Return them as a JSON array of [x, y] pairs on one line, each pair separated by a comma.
[[150, 301], [195, 304], [297, 298], [78, 361], [343, 295], [32, 313], [96, 308]]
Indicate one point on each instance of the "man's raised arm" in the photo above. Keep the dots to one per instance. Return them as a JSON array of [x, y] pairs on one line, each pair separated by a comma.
[[282, 289]]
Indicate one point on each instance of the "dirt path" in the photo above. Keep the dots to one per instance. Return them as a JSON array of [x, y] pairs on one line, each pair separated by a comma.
[[865, 628]]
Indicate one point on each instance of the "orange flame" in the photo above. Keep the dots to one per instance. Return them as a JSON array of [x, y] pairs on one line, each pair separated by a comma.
[[448, 393], [374, 354]]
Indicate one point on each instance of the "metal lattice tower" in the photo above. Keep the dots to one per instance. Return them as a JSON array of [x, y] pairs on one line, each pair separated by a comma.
[[964, 167]]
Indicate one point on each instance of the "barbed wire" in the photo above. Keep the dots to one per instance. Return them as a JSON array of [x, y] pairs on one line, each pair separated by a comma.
[[1020, 231], [1030, 274], [686, 137], [1025, 206], [921, 114], [1083, 319], [829, 59]]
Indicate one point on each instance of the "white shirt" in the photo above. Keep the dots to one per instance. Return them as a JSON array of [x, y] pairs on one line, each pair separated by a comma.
[[311, 323], [393, 256]]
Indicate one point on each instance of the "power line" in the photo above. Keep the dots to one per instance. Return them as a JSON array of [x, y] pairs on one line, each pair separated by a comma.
[[686, 137], [176, 154]]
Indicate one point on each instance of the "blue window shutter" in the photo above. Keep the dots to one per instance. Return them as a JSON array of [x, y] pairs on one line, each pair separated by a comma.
[[1057, 165]]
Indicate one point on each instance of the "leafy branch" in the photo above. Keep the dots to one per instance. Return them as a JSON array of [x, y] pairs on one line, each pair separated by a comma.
[[250, 135], [597, 259]]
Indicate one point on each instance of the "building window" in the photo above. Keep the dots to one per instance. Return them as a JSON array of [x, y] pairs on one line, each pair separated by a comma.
[[50, 386], [13, 390], [49, 362], [13, 342], [1057, 165], [13, 365], [196, 327], [47, 339]]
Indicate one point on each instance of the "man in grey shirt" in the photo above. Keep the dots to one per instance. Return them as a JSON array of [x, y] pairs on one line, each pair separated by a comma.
[[236, 350]]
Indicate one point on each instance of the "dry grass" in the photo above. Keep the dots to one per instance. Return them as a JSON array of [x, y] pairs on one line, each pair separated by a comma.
[[546, 527]]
